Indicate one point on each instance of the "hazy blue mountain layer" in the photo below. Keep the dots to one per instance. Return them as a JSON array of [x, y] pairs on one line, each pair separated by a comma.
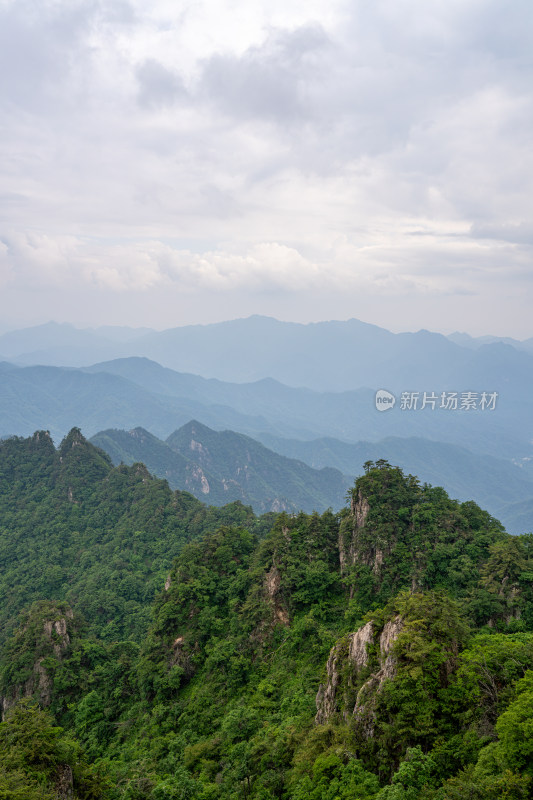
[[136, 392], [336, 356], [56, 398], [466, 340]]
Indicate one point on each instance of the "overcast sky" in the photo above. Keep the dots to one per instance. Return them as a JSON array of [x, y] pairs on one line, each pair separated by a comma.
[[172, 162]]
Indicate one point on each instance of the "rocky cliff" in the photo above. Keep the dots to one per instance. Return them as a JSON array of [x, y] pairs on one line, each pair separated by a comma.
[[356, 668], [38, 648]]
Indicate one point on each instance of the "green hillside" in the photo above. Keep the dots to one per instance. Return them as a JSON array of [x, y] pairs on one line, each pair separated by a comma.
[[383, 652], [74, 528]]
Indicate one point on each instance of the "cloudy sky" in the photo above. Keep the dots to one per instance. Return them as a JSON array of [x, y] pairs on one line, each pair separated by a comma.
[[173, 162]]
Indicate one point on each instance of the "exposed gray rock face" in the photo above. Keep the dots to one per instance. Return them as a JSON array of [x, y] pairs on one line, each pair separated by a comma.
[[272, 591], [360, 509], [358, 647], [348, 549], [40, 683], [65, 783], [57, 634], [198, 480], [356, 547], [326, 699], [366, 696], [352, 650], [347, 660]]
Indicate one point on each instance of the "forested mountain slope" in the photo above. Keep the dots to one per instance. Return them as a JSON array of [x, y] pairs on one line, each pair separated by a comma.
[[74, 528], [501, 486], [381, 653]]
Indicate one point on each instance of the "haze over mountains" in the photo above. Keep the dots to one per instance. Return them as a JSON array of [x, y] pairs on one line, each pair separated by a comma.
[[132, 392], [306, 392], [220, 467], [334, 356]]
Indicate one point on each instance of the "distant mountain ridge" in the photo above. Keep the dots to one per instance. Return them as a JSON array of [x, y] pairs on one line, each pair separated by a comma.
[[501, 486], [128, 393], [221, 467], [337, 355], [465, 340]]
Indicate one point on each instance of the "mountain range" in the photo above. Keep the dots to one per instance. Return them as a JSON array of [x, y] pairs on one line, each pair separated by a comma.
[[127, 393], [336, 355], [220, 467], [306, 392], [153, 647]]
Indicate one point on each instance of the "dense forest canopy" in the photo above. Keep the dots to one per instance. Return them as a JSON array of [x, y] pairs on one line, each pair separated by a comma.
[[156, 648]]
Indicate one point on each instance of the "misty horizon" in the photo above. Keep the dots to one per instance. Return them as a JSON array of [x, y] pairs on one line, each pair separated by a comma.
[[488, 334]]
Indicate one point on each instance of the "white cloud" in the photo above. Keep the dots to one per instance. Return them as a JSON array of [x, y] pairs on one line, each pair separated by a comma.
[[281, 146], [37, 260]]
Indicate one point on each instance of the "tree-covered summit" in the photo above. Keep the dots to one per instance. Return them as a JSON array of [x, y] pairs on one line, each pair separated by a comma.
[[74, 528]]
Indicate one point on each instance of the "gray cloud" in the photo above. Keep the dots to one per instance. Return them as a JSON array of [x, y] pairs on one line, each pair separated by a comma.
[[158, 86], [515, 233], [38, 43], [271, 81]]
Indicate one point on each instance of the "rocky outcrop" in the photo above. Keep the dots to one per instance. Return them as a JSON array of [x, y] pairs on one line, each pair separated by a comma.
[[326, 699], [359, 544], [272, 587], [65, 782], [348, 661], [198, 481], [54, 640], [367, 694], [360, 509], [348, 539], [352, 652], [41, 683], [57, 634], [40, 437], [358, 649]]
